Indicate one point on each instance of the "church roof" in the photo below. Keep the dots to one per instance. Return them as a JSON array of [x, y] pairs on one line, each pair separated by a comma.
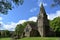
[[33, 26]]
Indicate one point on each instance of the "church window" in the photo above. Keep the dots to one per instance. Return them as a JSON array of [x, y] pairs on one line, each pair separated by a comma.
[[27, 29]]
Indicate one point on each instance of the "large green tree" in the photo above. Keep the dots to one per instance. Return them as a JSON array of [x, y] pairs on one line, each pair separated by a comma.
[[19, 30], [7, 33], [55, 3], [55, 24], [0, 34], [30, 22], [4, 33], [6, 5]]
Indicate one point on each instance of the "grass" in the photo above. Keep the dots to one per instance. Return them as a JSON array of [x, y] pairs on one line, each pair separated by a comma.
[[40, 38], [34, 38], [5, 38]]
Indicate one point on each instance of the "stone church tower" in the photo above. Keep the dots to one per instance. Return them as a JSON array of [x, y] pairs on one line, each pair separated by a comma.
[[43, 23]]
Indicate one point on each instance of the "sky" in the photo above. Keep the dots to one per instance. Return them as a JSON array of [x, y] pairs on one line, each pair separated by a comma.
[[27, 12]]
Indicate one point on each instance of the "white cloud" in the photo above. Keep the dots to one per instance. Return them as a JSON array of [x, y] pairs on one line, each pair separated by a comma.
[[30, 19], [51, 16], [0, 18], [21, 21], [33, 19], [44, 4], [40, 2], [11, 26], [33, 9], [1, 22]]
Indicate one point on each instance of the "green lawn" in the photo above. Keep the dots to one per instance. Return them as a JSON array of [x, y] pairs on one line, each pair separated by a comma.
[[5, 38], [40, 38], [34, 38]]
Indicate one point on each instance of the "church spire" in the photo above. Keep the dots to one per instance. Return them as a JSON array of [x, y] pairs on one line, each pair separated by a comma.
[[43, 23], [42, 10]]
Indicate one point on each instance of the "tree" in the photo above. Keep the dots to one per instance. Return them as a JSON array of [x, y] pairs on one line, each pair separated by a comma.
[[0, 34], [4, 33], [7, 33], [55, 24], [6, 5], [56, 2], [20, 27], [19, 30], [31, 22]]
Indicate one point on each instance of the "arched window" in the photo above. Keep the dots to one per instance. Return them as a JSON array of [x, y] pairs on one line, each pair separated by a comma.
[[27, 29]]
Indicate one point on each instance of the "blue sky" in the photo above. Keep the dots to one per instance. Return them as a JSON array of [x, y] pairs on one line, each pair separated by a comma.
[[27, 12]]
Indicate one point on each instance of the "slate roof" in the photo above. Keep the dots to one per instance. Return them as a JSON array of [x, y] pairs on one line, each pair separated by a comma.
[[33, 26]]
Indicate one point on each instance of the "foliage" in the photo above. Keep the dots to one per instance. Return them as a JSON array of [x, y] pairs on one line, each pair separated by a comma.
[[7, 33], [55, 24], [19, 29], [56, 2], [4, 33], [0, 34], [30, 22], [6, 5]]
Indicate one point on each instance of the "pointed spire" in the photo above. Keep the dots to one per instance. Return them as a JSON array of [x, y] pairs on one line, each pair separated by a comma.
[[41, 4], [42, 10], [43, 23]]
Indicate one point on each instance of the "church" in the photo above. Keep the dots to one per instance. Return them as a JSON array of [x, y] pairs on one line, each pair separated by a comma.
[[42, 28]]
